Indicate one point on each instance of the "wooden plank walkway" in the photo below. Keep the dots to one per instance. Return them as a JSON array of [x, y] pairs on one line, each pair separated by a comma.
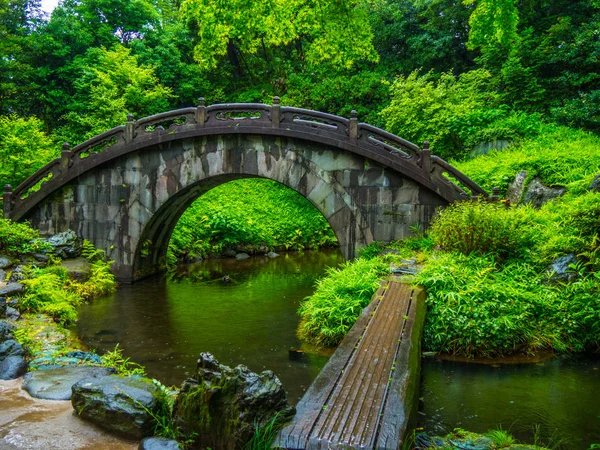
[[363, 398]]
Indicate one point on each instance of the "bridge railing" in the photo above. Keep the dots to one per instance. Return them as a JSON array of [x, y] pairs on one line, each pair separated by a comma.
[[250, 118]]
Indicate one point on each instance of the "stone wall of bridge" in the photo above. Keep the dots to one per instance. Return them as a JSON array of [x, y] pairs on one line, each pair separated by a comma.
[[129, 205]]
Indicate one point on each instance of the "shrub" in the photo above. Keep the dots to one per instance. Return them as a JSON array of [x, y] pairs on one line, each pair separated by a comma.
[[339, 298], [20, 239], [46, 293]]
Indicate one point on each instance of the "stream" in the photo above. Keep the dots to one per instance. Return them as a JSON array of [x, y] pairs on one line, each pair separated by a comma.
[[165, 323]]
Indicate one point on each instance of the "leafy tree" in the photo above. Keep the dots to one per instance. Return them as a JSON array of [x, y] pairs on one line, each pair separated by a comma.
[[112, 85], [24, 148]]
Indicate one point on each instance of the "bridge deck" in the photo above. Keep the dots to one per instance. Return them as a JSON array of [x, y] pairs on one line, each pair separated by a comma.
[[363, 397]]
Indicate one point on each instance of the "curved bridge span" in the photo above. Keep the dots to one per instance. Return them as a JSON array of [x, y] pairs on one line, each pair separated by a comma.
[[125, 189]]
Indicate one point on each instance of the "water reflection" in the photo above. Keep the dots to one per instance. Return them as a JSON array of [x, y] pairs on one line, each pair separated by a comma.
[[164, 324]]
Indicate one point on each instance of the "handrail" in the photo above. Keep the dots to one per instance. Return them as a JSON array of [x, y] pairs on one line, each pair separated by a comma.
[[252, 118]]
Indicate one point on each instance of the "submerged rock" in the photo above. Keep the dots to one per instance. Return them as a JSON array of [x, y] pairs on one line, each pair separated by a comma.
[[121, 404], [537, 193], [272, 255], [66, 245], [55, 384], [219, 407], [242, 256], [158, 443]]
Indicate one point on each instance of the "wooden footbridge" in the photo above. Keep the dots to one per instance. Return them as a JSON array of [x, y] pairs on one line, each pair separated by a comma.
[[363, 398]]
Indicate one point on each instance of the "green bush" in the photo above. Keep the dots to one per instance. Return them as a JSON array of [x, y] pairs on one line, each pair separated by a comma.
[[339, 298], [20, 239], [46, 293], [249, 212]]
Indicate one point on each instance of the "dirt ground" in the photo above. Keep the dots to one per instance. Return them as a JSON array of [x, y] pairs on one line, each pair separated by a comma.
[[28, 423]]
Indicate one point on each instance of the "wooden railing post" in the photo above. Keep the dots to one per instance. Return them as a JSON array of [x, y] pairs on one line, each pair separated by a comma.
[[129, 128], [65, 157], [201, 112], [353, 126], [7, 199], [426, 159], [275, 113]]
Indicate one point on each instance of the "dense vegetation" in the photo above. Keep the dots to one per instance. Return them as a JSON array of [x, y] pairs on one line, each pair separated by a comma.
[[486, 266], [248, 215], [459, 74]]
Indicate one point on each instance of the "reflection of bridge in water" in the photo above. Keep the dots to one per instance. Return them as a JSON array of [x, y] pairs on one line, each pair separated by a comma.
[[366, 394], [124, 190]]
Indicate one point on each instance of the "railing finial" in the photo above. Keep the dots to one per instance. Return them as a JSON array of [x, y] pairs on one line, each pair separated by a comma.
[[129, 128], [201, 112], [353, 126], [275, 113], [65, 156]]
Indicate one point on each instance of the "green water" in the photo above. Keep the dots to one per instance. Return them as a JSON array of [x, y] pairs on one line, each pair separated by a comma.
[[557, 399], [165, 324]]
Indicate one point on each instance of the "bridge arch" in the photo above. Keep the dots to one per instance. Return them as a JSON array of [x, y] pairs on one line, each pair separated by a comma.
[[125, 189]]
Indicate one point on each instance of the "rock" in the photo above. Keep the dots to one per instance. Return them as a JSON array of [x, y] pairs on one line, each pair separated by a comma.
[[66, 245], [515, 188], [158, 443], [79, 269], [5, 262], [537, 194], [11, 347], [219, 407], [2, 275], [16, 275], [119, 404], [55, 384], [2, 307], [242, 256], [228, 253], [595, 186], [40, 257], [11, 289], [559, 269], [272, 255], [12, 313], [6, 330], [12, 367], [85, 356]]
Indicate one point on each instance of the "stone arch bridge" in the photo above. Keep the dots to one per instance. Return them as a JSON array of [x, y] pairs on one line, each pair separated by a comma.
[[125, 189]]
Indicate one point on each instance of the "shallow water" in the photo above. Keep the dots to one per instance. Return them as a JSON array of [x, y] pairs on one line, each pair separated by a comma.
[[558, 397], [165, 324]]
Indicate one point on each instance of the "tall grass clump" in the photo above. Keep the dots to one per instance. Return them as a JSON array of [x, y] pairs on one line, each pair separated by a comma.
[[339, 298]]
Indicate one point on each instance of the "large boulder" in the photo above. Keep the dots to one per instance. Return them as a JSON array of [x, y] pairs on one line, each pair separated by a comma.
[[125, 405], [537, 193], [220, 407], [66, 245], [55, 384], [12, 360]]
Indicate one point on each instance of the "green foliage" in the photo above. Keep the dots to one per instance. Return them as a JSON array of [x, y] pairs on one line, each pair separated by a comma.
[[501, 438], [339, 298], [24, 148], [264, 436], [484, 228], [221, 218], [115, 359], [19, 239], [475, 308], [493, 23]]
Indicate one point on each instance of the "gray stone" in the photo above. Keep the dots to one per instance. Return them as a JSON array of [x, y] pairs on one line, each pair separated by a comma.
[[66, 244], [2, 307], [242, 256], [272, 255], [120, 404], [158, 443], [12, 313], [11, 347], [12, 367], [228, 253], [17, 274], [560, 270], [5, 262], [85, 357], [220, 407], [11, 289], [79, 269], [537, 194], [595, 186], [6, 330], [2, 275], [56, 384], [40, 257], [515, 188]]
